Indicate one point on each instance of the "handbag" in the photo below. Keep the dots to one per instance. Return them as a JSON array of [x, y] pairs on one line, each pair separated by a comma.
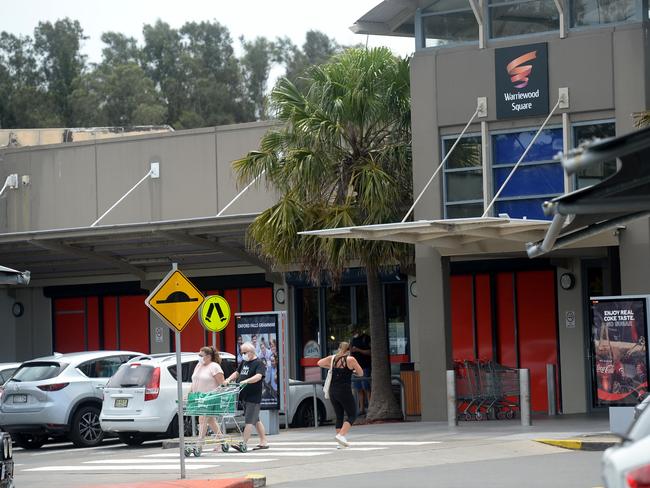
[[328, 380]]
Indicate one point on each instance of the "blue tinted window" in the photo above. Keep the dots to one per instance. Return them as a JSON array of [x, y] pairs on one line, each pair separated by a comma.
[[542, 179], [531, 209], [508, 148]]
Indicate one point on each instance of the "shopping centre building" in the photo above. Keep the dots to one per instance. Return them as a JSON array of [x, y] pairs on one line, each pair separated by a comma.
[[495, 71]]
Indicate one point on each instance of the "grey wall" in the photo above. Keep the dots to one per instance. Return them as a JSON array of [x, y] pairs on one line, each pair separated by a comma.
[[71, 185], [30, 335], [604, 70]]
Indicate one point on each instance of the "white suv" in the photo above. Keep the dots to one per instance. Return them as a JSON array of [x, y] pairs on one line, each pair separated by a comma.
[[140, 399]]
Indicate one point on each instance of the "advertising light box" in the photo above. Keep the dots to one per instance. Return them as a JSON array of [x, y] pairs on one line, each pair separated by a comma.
[[619, 336]]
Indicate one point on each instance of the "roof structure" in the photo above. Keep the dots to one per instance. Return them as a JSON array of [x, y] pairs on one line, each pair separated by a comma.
[[621, 198], [130, 250], [458, 237]]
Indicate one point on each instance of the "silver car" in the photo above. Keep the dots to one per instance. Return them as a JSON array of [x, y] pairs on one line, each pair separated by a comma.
[[6, 370], [59, 395]]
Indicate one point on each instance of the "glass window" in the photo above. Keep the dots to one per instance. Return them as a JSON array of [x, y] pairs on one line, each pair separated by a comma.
[[521, 17], [448, 21], [463, 178], [595, 12], [134, 375], [539, 178], [339, 317], [396, 306], [38, 371], [101, 368], [595, 173]]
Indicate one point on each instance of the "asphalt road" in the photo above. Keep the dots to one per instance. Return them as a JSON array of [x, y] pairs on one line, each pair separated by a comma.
[[577, 469], [401, 454]]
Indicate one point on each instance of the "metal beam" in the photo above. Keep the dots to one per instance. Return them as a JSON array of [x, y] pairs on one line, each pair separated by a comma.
[[91, 255]]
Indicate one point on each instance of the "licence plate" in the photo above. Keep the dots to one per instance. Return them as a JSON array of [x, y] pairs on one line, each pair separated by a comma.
[[20, 398], [121, 402]]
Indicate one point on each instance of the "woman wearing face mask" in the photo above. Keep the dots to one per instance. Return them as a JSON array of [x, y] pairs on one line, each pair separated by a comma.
[[207, 376]]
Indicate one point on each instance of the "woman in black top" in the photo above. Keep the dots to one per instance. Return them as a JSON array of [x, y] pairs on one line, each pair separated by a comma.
[[340, 391]]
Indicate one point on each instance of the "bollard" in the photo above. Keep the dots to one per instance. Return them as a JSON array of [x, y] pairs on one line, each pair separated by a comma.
[[550, 389], [315, 408], [452, 418], [524, 397]]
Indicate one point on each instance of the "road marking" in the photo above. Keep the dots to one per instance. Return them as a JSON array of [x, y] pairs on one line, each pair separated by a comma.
[[133, 467], [250, 454], [187, 460], [354, 443]]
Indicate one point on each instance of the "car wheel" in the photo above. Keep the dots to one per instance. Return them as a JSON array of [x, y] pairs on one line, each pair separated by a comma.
[[29, 441], [172, 430], [85, 430], [131, 438], [305, 414]]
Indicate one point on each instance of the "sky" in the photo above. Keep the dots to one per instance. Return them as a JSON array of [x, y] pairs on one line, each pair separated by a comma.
[[250, 18]]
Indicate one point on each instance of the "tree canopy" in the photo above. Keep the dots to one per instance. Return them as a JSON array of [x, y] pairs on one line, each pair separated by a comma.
[[188, 77], [342, 157]]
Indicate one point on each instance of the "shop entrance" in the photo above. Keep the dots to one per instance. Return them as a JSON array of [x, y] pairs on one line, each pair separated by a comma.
[[509, 317]]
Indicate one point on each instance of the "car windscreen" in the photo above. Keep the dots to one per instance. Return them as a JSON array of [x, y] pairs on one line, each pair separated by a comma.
[[641, 427], [131, 375], [37, 371]]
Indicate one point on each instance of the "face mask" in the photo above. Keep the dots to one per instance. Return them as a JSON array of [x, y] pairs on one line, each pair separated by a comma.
[[206, 359]]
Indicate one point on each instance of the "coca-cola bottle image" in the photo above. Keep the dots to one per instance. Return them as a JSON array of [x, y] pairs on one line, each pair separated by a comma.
[[604, 360]]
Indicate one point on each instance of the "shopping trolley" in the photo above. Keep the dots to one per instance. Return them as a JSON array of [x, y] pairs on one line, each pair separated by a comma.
[[222, 404]]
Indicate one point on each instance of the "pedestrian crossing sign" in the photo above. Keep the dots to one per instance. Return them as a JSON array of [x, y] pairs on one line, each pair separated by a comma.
[[214, 313], [175, 300]]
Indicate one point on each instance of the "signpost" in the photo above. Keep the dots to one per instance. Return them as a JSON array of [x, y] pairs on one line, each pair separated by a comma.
[[175, 301], [214, 315]]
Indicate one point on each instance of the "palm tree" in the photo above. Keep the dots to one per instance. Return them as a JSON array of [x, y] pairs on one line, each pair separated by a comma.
[[342, 157]]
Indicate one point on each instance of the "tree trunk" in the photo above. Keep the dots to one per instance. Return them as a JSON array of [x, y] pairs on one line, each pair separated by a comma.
[[383, 404]]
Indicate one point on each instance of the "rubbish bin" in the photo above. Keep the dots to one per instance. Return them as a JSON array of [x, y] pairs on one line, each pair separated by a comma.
[[411, 380]]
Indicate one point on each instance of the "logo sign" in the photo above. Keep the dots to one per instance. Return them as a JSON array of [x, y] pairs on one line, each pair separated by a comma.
[[214, 313], [311, 350], [175, 300], [521, 81]]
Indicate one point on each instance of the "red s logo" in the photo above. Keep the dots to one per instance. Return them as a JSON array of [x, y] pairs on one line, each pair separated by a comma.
[[518, 73]]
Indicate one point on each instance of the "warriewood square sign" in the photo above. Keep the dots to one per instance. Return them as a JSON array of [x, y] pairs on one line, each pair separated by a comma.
[[521, 80]]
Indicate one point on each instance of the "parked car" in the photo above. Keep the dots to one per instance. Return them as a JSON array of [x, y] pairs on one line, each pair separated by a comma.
[[6, 461], [6, 370], [59, 395], [628, 464], [140, 399], [301, 405]]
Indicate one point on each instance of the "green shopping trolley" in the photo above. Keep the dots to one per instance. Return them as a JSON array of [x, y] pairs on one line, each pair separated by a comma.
[[222, 404]]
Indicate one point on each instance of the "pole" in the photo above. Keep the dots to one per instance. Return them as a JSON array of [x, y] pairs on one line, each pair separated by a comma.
[[315, 408], [179, 384], [550, 389], [524, 397], [214, 340], [452, 418]]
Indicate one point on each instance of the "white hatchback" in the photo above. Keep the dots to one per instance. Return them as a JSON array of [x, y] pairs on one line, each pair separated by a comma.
[[140, 399], [628, 464]]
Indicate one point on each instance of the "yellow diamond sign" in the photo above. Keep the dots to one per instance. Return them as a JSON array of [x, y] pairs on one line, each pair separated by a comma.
[[175, 300]]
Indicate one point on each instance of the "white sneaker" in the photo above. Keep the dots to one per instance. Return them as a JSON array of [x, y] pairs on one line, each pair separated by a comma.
[[342, 440]]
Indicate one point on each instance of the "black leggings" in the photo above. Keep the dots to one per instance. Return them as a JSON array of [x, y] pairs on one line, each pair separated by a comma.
[[343, 402]]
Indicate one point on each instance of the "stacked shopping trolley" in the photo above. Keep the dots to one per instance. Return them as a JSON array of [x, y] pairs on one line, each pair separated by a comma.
[[486, 390]]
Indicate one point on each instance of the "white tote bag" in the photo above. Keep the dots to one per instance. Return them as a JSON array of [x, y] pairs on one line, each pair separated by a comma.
[[328, 380]]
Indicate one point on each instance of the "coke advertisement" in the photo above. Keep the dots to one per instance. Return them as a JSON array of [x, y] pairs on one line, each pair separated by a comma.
[[619, 338]]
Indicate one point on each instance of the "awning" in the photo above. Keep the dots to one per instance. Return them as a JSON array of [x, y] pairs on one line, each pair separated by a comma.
[[458, 237], [126, 251], [621, 198], [10, 276]]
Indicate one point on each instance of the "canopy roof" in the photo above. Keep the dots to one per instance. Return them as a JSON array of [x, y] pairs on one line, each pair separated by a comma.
[[457, 237], [126, 251]]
